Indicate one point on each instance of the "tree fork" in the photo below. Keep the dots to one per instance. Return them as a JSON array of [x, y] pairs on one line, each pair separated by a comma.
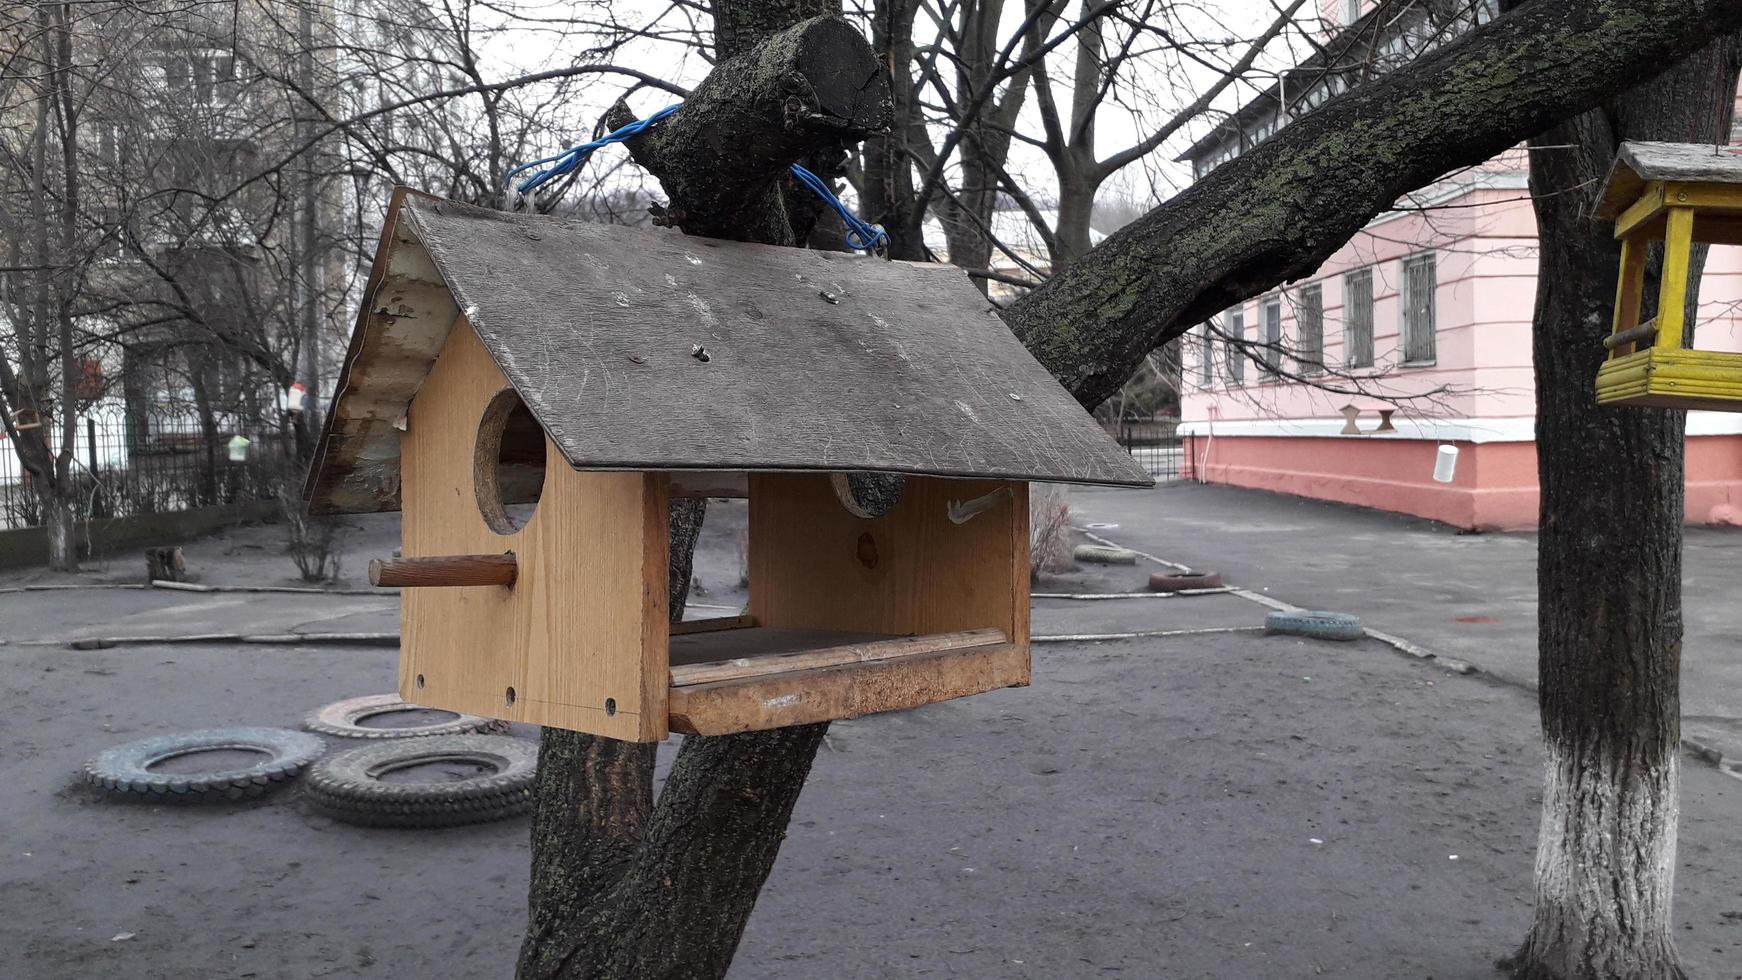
[[1277, 212]]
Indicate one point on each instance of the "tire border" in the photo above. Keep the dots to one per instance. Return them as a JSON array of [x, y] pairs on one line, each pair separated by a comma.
[[339, 720], [123, 771], [346, 786], [1317, 625]]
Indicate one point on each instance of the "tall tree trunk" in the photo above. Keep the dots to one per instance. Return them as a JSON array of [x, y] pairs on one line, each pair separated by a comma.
[[625, 886], [887, 194], [1078, 182], [1609, 563]]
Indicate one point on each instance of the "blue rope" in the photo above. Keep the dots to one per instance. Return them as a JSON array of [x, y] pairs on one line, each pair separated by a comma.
[[571, 159], [861, 234]]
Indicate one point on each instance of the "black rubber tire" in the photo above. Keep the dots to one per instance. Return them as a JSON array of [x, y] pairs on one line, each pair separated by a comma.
[[1099, 555], [1315, 625], [341, 720], [1181, 581], [125, 770], [348, 786]]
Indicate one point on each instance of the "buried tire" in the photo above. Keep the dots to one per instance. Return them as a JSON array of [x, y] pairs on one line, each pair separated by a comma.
[[1101, 555], [147, 770], [344, 719], [1183, 581], [437, 781], [1315, 625]]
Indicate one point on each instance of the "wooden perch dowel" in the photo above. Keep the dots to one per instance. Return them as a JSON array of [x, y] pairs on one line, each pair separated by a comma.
[[444, 570], [1645, 333]]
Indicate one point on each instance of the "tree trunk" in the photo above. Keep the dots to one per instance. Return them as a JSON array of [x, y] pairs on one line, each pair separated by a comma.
[[1609, 564], [61, 519], [624, 886], [887, 192], [1077, 187]]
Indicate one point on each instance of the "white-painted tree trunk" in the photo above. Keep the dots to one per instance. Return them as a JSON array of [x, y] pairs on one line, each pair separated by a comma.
[[63, 538], [1605, 868]]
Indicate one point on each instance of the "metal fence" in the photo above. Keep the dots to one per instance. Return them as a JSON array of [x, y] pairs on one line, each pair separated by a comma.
[[156, 460], [1154, 444]]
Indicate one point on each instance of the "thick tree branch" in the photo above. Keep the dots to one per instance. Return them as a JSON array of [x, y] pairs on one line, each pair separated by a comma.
[[1278, 212], [804, 94]]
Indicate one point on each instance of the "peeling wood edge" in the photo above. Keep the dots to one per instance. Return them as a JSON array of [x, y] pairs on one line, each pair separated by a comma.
[[842, 655], [836, 693]]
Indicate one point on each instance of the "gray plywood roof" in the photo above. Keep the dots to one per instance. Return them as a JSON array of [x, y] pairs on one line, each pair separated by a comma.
[[1638, 162], [808, 360]]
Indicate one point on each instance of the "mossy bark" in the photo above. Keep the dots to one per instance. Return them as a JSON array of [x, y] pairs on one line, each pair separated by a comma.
[[1279, 211], [1609, 564]]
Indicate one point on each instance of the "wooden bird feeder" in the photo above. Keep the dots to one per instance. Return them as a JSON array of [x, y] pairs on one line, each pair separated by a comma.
[[531, 392], [1677, 194]]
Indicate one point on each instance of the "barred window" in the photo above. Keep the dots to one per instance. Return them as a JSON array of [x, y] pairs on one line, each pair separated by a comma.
[[1273, 335], [1309, 318], [1420, 281], [1358, 318], [1235, 356]]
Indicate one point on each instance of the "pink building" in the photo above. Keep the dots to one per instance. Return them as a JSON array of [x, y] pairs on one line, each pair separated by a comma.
[[1425, 315]]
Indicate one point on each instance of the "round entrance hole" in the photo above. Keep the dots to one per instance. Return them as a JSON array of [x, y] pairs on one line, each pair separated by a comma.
[[508, 468]]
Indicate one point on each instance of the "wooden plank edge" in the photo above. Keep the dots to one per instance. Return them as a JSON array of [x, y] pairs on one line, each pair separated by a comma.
[[714, 625], [871, 651], [848, 691]]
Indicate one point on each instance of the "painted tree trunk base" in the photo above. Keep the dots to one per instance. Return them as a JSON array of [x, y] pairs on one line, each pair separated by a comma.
[[1605, 872], [63, 537]]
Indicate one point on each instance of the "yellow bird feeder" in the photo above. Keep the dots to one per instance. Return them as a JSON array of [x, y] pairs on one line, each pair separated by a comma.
[[1678, 194]]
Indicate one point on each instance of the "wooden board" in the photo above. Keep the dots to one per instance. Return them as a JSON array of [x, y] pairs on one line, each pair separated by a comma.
[[759, 641], [813, 565], [712, 625], [645, 349], [1639, 162], [581, 636], [711, 665], [830, 693]]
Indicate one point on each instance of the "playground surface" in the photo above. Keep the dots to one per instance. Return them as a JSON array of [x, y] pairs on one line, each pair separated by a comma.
[[1221, 804]]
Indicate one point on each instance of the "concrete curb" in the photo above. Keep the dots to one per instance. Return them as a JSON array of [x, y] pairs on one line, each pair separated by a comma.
[[1728, 765], [1090, 596], [197, 587], [1397, 643], [1140, 634], [284, 639]]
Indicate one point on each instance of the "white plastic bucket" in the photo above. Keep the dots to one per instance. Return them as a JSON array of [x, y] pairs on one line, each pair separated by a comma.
[[1445, 464]]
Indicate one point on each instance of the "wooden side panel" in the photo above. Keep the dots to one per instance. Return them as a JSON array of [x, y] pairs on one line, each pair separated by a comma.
[[581, 635], [814, 565]]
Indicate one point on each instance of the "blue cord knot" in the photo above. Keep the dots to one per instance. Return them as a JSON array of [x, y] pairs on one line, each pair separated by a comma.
[[861, 234]]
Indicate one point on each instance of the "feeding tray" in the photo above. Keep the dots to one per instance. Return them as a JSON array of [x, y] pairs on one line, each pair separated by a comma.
[[532, 392]]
